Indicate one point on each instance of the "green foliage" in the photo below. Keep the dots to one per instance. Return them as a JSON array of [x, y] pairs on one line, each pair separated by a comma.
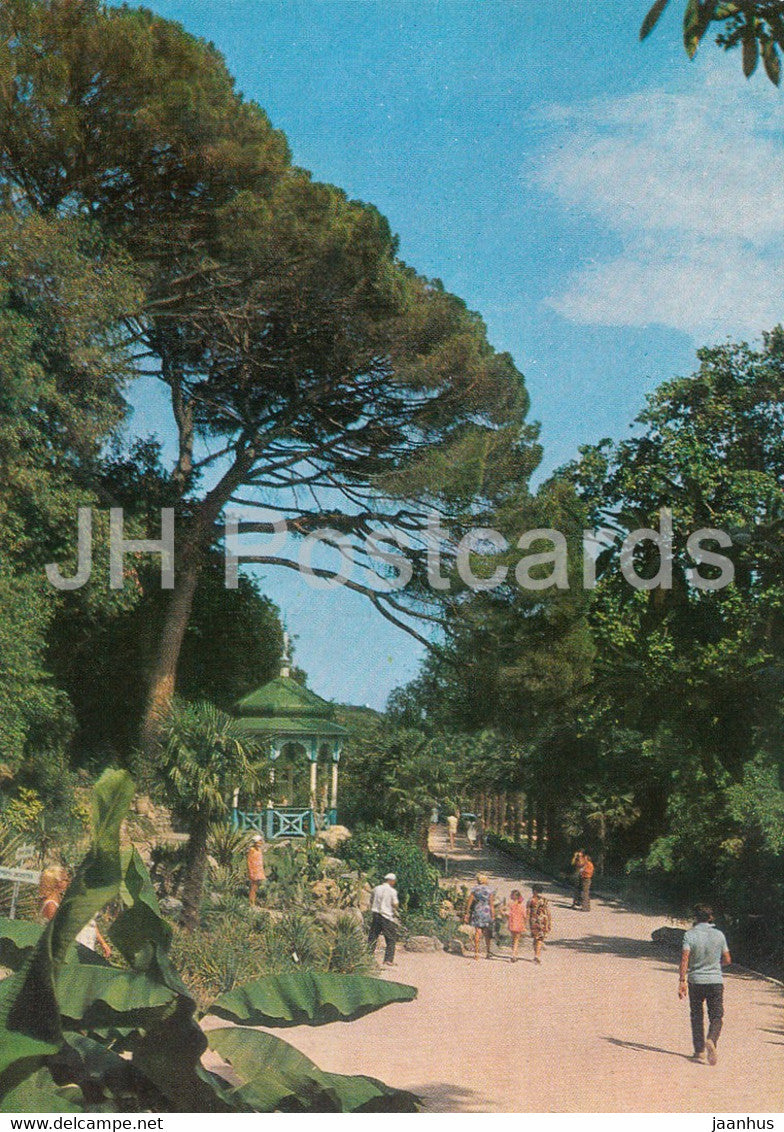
[[376, 852], [394, 776], [64, 1019], [278, 1077], [758, 27], [204, 753], [307, 998], [226, 844]]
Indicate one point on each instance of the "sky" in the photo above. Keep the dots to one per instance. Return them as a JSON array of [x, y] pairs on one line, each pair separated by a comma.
[[607, 206]]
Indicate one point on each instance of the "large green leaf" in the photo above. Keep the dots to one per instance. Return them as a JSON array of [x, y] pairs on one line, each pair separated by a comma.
[[169, 1055], [308, 997], [30, 1028], [93, 996], [17, 940], [97, 881], [103, 1075], [38, 1093], [277, 1077], [140, 925], [143, 937]]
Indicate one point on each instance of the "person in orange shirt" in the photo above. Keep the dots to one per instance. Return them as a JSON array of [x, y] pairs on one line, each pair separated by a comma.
[[256, 873], [586, 876]]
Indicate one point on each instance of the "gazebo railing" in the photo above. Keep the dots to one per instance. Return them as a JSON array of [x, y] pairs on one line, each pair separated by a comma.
[[283, 821]]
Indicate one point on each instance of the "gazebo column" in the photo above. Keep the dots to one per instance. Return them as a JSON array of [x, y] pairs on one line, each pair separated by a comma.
[[313, 772], [334, 803]]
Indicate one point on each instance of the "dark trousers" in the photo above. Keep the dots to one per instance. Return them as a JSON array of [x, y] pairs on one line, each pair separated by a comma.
[[585, 894], [712, 994], [380, 925]]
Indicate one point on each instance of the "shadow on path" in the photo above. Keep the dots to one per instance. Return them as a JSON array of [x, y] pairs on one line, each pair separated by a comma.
[[445, 1096], [622, 946], [641, 1048]]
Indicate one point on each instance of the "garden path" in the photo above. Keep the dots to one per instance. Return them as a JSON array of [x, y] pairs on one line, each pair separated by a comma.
[[597, 1027]]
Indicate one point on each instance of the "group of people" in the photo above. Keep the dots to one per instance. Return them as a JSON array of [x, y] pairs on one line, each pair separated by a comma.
[[704, 949], [475, 830], [483, 914]]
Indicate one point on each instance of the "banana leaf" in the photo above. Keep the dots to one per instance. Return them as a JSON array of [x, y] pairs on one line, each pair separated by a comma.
[[17, 940], [38, 1093], [276, 1077], [307, 997], [30, 1028], [169, 1055], [91, 997]]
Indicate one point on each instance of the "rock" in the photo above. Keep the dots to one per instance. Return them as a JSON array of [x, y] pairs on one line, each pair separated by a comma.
[[172, 907], [354, 914], [327, 919], [423, 943], [333, 864], [671, 938], [466, 929], [456, 947], [334, 836]]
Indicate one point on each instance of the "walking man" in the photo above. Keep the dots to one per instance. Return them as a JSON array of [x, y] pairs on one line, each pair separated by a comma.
[[385, 901], [577, 863], [704, 952]]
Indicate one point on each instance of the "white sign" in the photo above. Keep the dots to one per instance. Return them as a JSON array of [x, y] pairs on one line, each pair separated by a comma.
[[20, 876]]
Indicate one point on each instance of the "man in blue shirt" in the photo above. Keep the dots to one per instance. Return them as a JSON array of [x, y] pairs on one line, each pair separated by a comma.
[[704, 952]]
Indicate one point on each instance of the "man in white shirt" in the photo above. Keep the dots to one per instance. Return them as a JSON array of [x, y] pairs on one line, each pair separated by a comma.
[[382, 909], [704, 954]]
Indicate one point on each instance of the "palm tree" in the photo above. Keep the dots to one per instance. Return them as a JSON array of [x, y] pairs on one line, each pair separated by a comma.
[[204, 755]]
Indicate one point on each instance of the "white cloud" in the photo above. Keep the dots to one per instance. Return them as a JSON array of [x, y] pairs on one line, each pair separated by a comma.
[[692, 188]]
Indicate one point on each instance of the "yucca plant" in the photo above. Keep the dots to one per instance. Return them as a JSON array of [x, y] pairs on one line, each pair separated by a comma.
[[78, 1034], [225, 844]]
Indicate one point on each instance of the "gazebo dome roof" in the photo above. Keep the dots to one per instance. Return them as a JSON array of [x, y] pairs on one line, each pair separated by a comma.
[[282, 706]]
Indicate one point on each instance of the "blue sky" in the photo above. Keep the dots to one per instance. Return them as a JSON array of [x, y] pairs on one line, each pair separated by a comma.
[[607, 206]]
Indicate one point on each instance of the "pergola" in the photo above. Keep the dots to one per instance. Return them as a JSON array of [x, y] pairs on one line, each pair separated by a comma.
[[296, 724]]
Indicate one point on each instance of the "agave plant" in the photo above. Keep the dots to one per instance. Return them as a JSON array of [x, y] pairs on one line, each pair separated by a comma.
[[78, 1034]]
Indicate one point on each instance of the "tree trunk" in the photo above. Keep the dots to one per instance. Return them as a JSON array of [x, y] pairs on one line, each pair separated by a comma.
[[529, 821], [516, 815], [540, 822], [555, 838], [195, 869], [502, 816], [164, 673]]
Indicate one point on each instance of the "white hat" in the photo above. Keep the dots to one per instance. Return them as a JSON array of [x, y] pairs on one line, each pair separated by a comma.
[[257, 837], [390, 876]]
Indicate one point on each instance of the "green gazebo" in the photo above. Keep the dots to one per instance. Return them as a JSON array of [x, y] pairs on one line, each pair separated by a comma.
[[300, 729]]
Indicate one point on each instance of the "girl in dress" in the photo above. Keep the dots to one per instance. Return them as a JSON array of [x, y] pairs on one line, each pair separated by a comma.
[[517, 919]]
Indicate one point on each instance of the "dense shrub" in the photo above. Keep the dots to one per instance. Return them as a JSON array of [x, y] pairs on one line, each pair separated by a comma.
[[376, 851]]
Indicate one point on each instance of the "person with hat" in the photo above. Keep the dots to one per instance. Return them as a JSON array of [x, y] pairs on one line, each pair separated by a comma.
[[385, 901], [256, 874]]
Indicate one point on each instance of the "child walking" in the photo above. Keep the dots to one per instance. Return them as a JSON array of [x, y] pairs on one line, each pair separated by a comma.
[[517, 920], [539, 919]]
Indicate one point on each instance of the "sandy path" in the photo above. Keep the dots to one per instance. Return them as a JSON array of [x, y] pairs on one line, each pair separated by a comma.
[[597, 1027]]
